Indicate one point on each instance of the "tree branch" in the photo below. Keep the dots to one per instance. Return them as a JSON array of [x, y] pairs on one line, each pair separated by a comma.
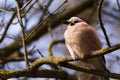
[[23, 33], [59, 60], [101, 23], [5, 74], [62, 61], [52, 44], [7, 27]]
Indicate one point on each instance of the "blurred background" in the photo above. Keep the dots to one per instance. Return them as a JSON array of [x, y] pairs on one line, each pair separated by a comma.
[[35, 13]]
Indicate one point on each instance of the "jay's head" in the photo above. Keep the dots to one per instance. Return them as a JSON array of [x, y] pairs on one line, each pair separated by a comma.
[[72, 21]]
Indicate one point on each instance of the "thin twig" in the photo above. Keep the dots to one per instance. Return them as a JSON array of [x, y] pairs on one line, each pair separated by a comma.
[[101, 23], [52, 44], [23, 34], [46, 8], [44, 20], [52, 40], [59, 7], [3, 10], [32, 50], [40, 53], [30, 7], [50, 33], [23, 8], [7, 27], [118, 5]]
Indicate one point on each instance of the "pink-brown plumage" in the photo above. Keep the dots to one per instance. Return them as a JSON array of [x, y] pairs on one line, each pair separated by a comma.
[[81, 39]]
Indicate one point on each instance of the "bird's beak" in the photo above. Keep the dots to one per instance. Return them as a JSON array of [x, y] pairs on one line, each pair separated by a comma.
[[65, 22]]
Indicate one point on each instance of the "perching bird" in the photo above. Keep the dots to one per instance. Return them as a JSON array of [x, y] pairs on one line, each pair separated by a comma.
[[81, 39]]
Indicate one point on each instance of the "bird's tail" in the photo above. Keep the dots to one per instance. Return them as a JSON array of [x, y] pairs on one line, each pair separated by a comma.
[[87, 76]]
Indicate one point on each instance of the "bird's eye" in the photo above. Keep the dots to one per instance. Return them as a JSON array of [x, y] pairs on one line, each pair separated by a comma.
[[71, 24], [76, 21]]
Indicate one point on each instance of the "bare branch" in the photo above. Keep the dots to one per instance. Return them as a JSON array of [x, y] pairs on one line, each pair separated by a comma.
[[38, 73], [62, 61], [7, 27], [23, 34], [101, 23], [118, 5], [52, 44], [40, 53]]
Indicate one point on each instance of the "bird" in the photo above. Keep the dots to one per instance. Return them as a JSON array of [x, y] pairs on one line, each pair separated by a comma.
[[81, 40]]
